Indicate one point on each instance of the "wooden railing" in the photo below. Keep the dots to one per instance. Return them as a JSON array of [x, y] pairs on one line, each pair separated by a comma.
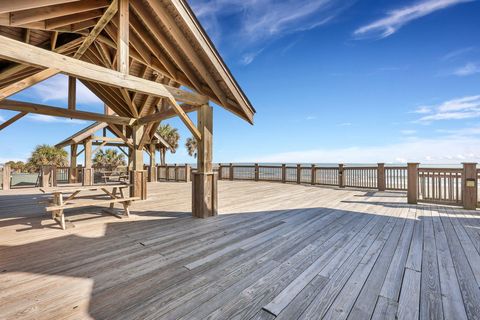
[[396, 178], [174, 173], [440, 185], [63, 174], [361, 177]]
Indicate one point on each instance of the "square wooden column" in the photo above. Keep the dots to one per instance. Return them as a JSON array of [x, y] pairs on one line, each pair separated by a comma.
[[6, 177], [72, 177], [152, 176], [412, 183], [138, 176], [204, 180], [469, 188], [87, 175]]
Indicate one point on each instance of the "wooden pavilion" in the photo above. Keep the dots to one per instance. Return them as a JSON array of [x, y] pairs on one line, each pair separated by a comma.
[[88, 140], [147, 60]]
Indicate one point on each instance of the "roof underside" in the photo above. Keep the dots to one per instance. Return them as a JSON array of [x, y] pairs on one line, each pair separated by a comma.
[[167, 45]]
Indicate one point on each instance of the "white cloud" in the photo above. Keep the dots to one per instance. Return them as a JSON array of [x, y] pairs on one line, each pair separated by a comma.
[[467, 70], [460, 108], [254, 22], [453, 55], [408, 132], [50, 119], [395, 19], [422, 110], [56, 89], [345, 124], [435, 151], [2, 119], [311, 118]]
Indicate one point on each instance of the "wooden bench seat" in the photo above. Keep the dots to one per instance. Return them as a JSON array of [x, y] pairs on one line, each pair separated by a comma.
[[90, 203]]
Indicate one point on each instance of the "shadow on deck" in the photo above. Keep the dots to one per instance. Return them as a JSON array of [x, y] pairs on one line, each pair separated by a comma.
[[309, 253]]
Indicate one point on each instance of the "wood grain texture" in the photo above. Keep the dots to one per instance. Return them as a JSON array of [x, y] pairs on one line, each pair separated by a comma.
[[305, 252]]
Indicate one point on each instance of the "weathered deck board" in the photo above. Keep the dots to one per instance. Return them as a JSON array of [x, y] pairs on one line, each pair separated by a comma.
[[277, 251]]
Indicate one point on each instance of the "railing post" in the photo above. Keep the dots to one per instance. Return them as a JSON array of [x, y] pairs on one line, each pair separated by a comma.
[[284, 173], [469, 186], [313, 174], [54, 175], [256, 172], [219, 171], [188, 172], [412, 183], [45, 176], [341, 176], [299, 173], [231, 171], [78, 173], [381, 179], [167, 174], [176, 173], [6, 177]]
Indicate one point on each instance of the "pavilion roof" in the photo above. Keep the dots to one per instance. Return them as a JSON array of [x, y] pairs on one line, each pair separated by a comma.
[[167, 45]]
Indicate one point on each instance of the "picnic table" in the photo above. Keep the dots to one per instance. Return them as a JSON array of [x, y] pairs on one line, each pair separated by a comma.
[[115, 194], [114, 176]]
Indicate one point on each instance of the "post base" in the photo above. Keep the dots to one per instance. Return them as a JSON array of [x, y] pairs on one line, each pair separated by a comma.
[[87, 177], [204, 194], [139, 181]]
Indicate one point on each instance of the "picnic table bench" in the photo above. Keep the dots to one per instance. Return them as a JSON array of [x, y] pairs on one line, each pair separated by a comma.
[[58, 204]]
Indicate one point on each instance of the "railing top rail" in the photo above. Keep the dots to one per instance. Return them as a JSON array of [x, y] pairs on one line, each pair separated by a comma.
[[446, 170]]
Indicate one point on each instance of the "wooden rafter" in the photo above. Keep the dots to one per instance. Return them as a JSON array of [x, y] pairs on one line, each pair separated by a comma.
[[17, 5], [60, 112], [45, 74], [12, 120], [19, 18]]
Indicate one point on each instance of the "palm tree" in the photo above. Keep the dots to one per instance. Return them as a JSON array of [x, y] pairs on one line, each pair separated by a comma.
[[171, 136], [191, 146], [44, 155], [108, 159]]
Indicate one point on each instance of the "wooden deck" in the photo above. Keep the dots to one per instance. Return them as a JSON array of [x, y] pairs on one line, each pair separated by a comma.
[[300, 252]]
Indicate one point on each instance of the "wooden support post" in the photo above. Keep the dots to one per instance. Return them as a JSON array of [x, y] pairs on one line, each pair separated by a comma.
[[412, 183], [381, 179], [48, 176], [231, 171], [341, 176], [72, 93], [167, 173], [87, 174], [176, 172], [152, 177], [204, 184], [138, 176], [188, 172], [78, 173], [469, 187], [72, 177], [6, 177], [299, 173], [123, 37], [257, 173], [284, 173], [313, 175]]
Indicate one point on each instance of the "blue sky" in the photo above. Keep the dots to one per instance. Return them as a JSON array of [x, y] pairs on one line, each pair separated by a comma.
[[332, 81]]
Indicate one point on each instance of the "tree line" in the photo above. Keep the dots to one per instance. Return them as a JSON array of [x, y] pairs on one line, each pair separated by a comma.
[[110, 159]]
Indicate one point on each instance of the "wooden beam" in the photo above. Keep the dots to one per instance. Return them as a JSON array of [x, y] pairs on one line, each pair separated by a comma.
[[23, 53], [187, 48], [17, 5], [45, 74], [88, 153], [101, 145], [60, 112], [123, 42], [163, 115], [54, 11], [67, 20], [12, 120], [205, 124], [72, 93], [109, 139]]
